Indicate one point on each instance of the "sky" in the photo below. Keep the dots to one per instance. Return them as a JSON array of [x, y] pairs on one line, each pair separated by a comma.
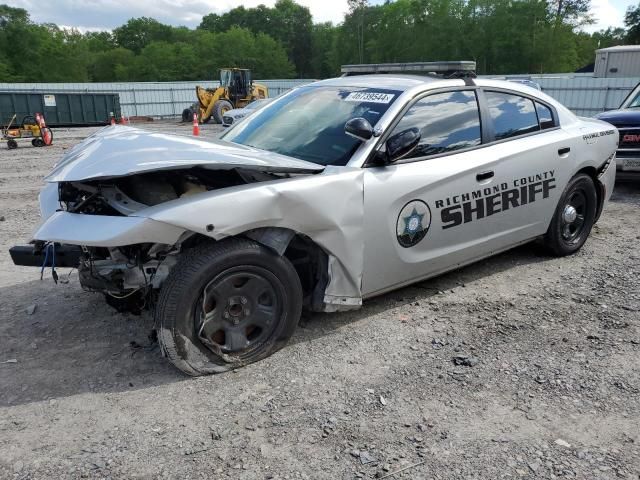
[[108, 14]]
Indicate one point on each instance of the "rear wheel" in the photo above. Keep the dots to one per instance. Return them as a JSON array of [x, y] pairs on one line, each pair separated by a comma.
[[11, 144], [226, 305], [187, 115], [574, 217], [220, 108]]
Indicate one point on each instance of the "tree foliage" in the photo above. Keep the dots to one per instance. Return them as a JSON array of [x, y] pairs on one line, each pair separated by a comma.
[[502, 36], [287, 22], [632, 22]]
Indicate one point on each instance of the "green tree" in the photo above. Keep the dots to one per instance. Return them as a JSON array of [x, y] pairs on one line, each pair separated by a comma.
[[162, 61], [323, 38], [12, 22], [502, 36], [111, 65], [632, 22], [99, 41], [287, 22], [609, 37], [137, 33]]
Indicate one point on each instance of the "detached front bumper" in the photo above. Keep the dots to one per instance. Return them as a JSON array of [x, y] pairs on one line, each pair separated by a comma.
[[66, 256], [69, 231]]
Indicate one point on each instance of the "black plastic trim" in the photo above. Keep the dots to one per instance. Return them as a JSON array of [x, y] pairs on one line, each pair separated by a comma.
[[67, 256]]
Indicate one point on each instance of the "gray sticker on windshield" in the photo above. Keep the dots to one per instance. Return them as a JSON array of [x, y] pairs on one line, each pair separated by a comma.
[[370, 97]]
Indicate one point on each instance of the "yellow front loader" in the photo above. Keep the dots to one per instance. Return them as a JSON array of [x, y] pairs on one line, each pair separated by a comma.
[[236, 90]]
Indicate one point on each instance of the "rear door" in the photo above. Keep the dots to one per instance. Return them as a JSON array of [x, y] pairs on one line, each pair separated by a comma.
[[534, 157]]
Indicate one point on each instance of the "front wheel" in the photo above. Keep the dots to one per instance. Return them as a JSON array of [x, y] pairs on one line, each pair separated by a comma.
[[226, 305], [574, 217], [220, 108]]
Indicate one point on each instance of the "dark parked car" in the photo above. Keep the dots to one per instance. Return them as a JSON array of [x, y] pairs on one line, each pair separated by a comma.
[[627, 120]]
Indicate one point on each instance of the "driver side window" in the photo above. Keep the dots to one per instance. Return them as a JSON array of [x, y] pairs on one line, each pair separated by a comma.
[[447, 122]]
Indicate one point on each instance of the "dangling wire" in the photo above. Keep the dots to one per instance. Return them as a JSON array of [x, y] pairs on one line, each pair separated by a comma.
[[49, 248], [54, 274], [44, 263]]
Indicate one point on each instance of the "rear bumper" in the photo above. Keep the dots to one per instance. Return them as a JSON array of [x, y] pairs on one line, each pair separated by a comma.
[[35, 256]]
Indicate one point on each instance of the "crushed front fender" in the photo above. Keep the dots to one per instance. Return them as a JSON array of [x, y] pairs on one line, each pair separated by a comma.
[[327, 208]]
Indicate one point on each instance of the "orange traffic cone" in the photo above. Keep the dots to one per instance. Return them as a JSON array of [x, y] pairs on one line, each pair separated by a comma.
[[44, 131], [196, 127], [113, 119]]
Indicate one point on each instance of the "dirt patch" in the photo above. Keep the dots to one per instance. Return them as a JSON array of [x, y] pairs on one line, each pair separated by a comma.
[[521, 365]]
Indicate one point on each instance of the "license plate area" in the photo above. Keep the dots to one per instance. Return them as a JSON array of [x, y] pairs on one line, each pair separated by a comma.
[[631, 164]]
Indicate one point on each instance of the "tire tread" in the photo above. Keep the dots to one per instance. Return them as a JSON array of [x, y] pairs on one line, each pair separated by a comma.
[[188, 266]]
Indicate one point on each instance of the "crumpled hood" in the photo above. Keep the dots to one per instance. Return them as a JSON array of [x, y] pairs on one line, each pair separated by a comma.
[[119, 151]]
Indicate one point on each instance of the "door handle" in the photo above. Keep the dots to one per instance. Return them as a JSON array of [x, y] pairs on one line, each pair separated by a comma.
[[484, 175], [563, 151]]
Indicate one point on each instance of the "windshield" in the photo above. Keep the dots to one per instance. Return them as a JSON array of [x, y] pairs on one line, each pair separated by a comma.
[[635, 103], [225, 78], [308, 123], [256, 104]]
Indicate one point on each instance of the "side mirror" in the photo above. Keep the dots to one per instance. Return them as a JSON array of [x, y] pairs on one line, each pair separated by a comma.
[[359, 128], [402, 144]]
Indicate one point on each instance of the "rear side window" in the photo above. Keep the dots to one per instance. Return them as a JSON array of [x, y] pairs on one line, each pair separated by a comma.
[[512, 115], [545, 117], [447, 121]]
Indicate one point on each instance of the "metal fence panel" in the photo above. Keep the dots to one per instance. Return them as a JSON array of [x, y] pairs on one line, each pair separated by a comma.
[[581, 93], [155, 99]]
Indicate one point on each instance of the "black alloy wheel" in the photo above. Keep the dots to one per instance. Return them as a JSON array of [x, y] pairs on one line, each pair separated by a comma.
[[574, 216]]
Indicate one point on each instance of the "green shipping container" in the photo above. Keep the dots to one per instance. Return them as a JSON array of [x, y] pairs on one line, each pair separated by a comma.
[[60, 109]]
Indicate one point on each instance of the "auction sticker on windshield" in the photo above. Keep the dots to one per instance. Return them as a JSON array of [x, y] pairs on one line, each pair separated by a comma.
[[370, 97]]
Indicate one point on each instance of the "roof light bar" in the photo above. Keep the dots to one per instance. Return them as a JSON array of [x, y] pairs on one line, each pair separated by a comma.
[[441, 68]]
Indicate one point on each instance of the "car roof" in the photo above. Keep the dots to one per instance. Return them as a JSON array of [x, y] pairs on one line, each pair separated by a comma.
[[404, 82], [388, 81]]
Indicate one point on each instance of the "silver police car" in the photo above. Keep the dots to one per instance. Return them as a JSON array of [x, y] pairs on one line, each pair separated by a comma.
[[334, 193]]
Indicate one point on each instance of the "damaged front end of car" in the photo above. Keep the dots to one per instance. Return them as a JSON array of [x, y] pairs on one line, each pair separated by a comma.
[[124, 205]]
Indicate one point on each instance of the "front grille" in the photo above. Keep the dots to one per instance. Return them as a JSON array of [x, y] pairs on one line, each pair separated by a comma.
[[628, 154], [629, 137]]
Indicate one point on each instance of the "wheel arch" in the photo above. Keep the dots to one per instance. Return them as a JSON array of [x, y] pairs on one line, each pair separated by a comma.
[[593, 173], [308, 258]]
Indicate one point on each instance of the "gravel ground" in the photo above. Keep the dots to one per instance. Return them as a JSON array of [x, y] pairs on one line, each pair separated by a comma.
[[522, 365]]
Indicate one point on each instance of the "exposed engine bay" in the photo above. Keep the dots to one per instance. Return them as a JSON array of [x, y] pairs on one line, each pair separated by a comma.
[[127, 195], [131, 275]]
